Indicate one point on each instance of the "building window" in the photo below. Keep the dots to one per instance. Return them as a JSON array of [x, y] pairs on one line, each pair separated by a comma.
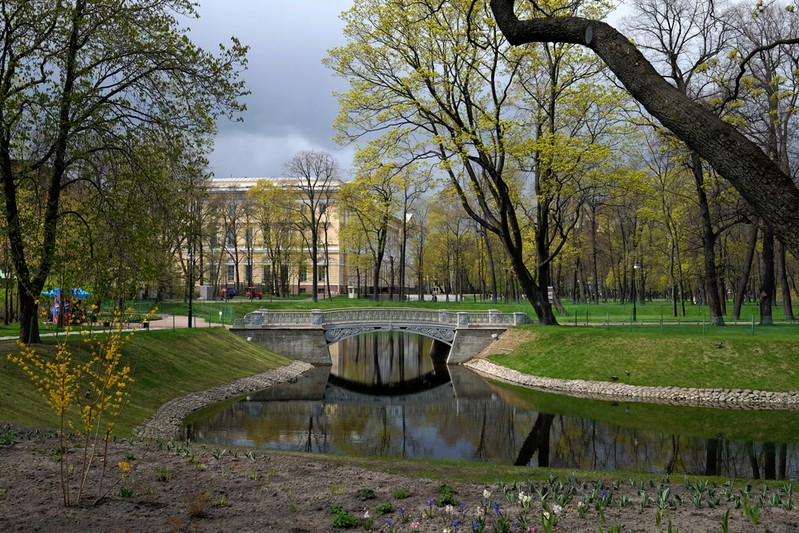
[[302, 273], [321, 273], [231, 273]]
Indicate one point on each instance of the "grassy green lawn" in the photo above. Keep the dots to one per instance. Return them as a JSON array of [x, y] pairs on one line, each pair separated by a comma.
[[737, 357], [658, 311], [166, 364]]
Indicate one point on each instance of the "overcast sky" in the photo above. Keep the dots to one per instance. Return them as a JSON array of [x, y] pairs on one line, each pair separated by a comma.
[[292, 106]]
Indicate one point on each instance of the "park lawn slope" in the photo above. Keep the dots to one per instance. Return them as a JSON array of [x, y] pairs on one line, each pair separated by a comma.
[[677, 356], [166, 364]]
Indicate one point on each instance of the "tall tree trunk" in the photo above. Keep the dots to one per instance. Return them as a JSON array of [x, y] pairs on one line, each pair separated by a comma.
[[747, 271], [536, 441], [722, 278], [491, 266], [403, 247], [326, 251], [533, 293], [314, 265], [785, 288], [419, 264], [376, 281], [767, 283], [594, 255], [672, 278], [769, 460], [750, 451], [782, 470], [712, 457], [29, 312], [576, 289], [708, 245]]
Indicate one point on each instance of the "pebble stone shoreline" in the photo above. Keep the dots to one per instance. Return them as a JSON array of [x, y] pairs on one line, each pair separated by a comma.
[[615, 391], [167, 420]]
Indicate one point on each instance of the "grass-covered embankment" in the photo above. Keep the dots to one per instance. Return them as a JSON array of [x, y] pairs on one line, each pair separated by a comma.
[[662, 419], [679, 356], [166, 364]]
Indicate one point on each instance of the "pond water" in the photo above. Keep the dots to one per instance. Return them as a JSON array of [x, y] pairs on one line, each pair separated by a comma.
[[384, 395]]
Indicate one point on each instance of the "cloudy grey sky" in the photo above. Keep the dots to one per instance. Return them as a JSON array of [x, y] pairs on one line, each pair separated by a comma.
[[292, 106]]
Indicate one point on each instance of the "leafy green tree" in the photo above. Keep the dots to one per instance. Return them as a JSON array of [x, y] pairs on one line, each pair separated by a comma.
[[273, 212], [418, 241], [355, 244], [139, 223], [89, 77], [372, 202], [450, 237], [436, 79], [668, 207], [570, 115], [235, 210], [212, 242], [414, 182]]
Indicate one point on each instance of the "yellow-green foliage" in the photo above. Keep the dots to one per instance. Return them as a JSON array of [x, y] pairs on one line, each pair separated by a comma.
[[56, 380], [61, 379]]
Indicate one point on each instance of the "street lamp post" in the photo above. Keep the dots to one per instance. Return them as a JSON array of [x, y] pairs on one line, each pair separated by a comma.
[[635, 268], [191, 285]]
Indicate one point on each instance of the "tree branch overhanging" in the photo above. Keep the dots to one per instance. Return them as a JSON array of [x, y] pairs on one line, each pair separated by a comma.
[[770, 192]]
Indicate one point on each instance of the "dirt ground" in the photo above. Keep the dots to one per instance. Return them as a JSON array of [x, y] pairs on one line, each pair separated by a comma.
[[164, 486]]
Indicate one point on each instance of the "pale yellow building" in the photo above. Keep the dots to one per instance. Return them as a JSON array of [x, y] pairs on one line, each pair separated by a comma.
[[233, 252]]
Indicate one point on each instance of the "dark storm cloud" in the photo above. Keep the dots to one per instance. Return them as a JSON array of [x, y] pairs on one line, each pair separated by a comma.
[[292, 106]]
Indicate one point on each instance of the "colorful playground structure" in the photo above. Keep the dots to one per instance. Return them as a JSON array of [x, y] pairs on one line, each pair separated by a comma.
[[67, 307]]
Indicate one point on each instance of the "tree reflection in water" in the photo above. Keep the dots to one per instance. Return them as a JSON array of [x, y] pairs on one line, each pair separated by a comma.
[[385, 395]]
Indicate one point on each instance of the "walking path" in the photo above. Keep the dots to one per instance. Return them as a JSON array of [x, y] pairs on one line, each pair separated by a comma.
[[165, 322], [180, 322]]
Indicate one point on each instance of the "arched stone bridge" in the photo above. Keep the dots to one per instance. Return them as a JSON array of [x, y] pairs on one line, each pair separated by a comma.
[[305, 335]]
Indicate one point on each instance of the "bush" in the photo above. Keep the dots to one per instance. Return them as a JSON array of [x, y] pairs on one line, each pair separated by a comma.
[[344, 519], [365, 494], [446, 495]]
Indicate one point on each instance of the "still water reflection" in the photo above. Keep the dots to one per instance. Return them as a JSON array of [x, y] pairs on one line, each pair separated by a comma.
[[385, 395]]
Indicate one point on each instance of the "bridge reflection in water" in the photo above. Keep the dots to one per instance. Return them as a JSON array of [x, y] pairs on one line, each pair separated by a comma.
[[385, 395]]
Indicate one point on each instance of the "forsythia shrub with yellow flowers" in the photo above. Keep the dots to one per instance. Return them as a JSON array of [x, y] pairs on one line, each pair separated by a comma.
[[87, 396]]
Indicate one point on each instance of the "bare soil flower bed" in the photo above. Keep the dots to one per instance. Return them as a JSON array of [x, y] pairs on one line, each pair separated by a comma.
[[155, 485]]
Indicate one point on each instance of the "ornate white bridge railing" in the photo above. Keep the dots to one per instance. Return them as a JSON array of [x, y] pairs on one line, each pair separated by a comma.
[[380, 315]]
